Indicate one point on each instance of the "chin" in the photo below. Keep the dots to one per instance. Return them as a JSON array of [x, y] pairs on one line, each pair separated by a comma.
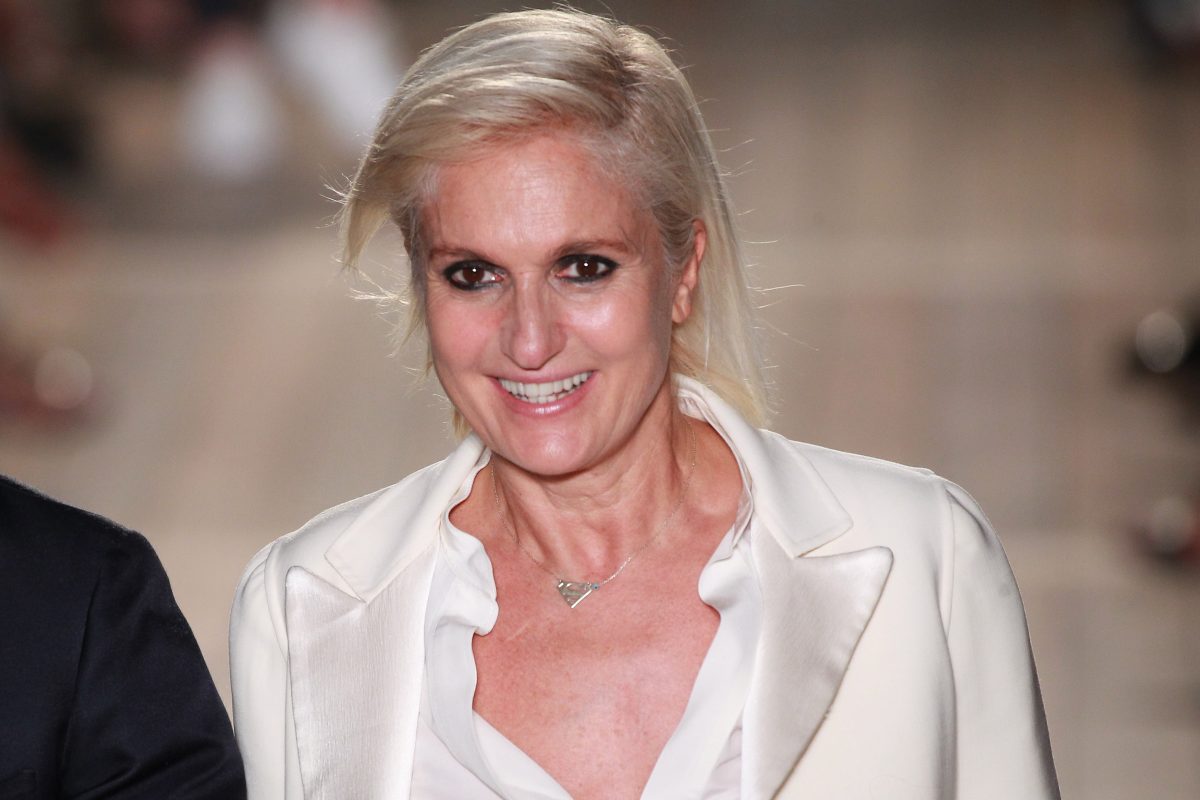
[[545, 454]]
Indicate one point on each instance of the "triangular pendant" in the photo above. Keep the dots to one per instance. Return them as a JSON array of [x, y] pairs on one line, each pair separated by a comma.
[[574, 591]]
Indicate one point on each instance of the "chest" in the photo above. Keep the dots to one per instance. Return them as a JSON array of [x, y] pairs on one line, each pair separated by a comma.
[[593, 695]]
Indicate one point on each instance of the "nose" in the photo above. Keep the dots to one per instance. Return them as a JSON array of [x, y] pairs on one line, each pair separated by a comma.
[[531, 333]]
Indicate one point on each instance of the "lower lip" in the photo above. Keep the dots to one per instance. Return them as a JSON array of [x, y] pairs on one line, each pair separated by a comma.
[[542, 410]]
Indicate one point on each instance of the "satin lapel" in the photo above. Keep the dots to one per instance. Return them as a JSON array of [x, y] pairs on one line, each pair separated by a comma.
[[355, 669], [814, 612]]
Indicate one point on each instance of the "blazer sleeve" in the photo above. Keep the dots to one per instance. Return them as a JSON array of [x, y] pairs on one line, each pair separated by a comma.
[[146, 720], [1003, 748], [258, 671]]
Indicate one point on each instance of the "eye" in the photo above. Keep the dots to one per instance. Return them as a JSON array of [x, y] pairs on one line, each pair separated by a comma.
[[471, 275], [586, 268]]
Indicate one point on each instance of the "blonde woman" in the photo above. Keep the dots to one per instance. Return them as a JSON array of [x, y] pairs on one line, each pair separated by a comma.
[[616, 586]]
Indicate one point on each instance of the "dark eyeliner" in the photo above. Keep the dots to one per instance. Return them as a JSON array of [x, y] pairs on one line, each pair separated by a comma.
[[609, 265], [453, 275]]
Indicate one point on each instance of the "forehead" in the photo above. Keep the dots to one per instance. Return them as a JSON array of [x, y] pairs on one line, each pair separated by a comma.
[[533, 193]]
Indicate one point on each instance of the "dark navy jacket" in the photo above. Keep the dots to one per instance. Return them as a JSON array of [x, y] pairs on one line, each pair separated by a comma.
[[103, 691]]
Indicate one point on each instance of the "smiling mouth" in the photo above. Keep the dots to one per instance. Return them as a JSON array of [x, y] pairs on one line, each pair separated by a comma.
[[544, 392]]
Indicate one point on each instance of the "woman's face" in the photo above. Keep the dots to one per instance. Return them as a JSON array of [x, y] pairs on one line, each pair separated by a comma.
[[549, 303]]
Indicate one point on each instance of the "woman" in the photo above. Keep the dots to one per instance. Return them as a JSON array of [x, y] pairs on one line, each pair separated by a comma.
[[616, 586]]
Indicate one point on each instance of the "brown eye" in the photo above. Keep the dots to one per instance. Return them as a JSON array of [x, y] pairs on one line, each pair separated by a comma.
[[586, 268], [470, 275]]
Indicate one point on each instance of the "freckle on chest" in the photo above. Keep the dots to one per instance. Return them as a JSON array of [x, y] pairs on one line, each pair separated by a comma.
[[652, 663]]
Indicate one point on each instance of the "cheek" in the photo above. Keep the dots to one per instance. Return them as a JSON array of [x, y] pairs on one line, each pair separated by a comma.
[[457, 337], [623, 322]]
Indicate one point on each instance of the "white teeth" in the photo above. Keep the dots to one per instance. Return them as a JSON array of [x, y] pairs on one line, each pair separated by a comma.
[[544, 392]]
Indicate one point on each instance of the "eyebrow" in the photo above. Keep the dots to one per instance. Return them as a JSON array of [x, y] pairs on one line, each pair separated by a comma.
[[583, 246], [592, 245], [456, 253]]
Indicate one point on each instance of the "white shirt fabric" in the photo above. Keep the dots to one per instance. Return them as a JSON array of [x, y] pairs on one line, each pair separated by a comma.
[[460, 756]]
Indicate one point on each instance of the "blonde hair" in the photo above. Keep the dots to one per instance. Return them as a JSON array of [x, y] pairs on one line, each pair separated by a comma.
[[515, 75]]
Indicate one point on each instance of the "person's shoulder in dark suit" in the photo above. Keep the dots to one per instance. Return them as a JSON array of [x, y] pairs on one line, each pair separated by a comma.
[[103, 690]]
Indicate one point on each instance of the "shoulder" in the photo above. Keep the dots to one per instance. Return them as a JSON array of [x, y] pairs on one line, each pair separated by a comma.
[[258, 601], [45, 542], [873, 483], [54, 560], [932, 525], [261, 588], [103, 649], [307, 545], [860, 478], [816, 498], [942, 543], [886, 502], [861, 483], [841, 466]]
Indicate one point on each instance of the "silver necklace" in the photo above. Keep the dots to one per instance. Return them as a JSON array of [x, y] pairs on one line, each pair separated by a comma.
[[573, 592]]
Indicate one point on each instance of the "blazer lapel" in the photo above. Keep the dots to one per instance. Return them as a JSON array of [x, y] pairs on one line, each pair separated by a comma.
[[355, 670], [814, 612], [815, 608], [356, 638]]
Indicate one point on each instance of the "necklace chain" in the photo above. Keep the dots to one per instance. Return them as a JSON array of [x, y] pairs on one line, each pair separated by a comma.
[[574, 591]]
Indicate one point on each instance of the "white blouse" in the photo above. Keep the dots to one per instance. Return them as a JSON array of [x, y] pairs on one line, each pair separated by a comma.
[[460, 756]]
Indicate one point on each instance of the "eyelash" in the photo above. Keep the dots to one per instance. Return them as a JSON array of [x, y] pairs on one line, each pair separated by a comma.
[[607, 264], [454, 274]]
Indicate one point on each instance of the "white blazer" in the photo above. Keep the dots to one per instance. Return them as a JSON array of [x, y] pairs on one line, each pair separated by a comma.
[[893, 663]]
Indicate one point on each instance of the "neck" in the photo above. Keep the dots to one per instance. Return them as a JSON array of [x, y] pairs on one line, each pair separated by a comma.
[[584, 525]]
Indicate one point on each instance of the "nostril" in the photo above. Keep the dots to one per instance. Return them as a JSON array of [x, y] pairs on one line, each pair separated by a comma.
[[532, 336]]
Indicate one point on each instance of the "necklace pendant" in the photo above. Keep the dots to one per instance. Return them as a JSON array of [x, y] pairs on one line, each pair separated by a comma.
[[574, 591]]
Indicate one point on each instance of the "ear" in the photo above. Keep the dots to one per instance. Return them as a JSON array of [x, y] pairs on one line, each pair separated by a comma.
[[689, 275]]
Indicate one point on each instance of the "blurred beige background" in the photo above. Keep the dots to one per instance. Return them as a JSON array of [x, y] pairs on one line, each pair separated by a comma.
[[969, 207]]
